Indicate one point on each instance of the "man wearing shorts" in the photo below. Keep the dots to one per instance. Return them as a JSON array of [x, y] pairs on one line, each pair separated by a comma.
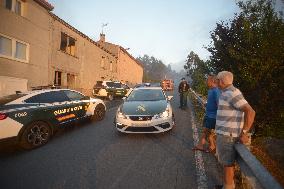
[[234, 119], [209, 120]]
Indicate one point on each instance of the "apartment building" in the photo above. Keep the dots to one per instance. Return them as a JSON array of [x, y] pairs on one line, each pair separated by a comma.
[[76, 61], [37, 49], [24, 43], [129, 69]]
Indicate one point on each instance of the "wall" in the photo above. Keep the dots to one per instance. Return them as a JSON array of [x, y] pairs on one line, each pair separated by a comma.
[[129, 71], [85, 65], [32, 28]]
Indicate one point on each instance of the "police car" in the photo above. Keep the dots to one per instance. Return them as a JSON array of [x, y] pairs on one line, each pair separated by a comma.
[[32, 117], [145, 110], [110, 89]]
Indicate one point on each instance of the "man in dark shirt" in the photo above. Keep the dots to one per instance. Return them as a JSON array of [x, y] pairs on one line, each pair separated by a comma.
[[183, 91]]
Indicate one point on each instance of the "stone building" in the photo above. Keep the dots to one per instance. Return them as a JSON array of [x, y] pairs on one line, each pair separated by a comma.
[[24, 41], [38, 48], [76, 61], [129, 69]]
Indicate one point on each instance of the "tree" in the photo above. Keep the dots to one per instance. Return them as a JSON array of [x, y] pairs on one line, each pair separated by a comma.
[[197, 69], [251, 46], [155, 70]]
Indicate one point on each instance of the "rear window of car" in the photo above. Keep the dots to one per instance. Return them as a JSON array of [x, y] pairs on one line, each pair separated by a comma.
[[6, 99], [99, 84], [113, 84]]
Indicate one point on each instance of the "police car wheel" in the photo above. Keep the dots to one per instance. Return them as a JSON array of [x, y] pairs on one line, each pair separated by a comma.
[[36, 134], [110, 96], [99, 113]]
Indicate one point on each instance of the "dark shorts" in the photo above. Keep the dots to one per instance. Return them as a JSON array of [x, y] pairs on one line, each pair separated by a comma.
[[209, 123]]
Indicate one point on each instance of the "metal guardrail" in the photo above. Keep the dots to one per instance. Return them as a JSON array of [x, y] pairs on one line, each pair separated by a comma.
[[255, 173]]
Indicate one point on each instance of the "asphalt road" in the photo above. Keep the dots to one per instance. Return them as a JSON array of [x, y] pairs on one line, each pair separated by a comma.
[[96, 155]]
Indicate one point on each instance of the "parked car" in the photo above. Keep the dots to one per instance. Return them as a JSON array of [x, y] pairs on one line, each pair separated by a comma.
[[145, 110], [110, 89], [31, 118], [142, 85]]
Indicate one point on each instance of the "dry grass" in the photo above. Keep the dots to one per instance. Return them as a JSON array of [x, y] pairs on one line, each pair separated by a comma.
[[270, 157]]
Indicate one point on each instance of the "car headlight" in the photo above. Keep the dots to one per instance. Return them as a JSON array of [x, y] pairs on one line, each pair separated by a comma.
[[120, 114], [166, 113]]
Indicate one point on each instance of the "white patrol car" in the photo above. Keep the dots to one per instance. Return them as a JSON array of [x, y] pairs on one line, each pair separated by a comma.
[[33, 116]]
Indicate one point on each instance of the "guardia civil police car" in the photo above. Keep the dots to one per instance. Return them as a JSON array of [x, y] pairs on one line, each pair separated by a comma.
[[145, 110], [32, 117]]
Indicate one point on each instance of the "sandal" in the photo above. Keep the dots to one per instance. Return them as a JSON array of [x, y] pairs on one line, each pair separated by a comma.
[[200, 149]]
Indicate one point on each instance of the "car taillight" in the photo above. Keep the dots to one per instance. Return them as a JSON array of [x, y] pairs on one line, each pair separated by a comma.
[[3, 116]]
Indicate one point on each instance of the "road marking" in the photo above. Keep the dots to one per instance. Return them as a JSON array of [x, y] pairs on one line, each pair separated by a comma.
[[200, 171]]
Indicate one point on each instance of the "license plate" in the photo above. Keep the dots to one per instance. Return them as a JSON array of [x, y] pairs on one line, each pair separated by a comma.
[[140, 124]]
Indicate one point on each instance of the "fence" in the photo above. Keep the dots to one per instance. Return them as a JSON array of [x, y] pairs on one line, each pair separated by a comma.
[[254, 172]]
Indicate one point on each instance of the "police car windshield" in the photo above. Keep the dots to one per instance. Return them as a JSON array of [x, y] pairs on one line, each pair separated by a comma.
[[6, 99], [146, 95]]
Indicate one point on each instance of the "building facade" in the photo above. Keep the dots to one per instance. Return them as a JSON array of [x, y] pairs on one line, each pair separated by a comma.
[[24, 41], [129, 70], [42, 49], [76, 61]]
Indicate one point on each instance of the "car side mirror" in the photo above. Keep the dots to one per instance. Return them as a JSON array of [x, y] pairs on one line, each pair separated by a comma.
[[170, 97]]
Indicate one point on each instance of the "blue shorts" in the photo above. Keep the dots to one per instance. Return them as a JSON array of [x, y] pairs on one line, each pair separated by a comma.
[[209, 123]]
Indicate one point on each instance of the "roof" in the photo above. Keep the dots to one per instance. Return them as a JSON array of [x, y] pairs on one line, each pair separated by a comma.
[[125, 51], [45, 4]]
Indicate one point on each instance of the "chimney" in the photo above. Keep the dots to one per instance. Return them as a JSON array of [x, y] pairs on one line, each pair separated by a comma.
[[102, 38]]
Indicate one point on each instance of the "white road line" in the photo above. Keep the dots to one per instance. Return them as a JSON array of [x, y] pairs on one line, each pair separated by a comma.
[[200, 171]]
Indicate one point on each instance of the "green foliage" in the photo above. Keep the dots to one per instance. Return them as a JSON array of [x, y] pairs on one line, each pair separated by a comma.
[[155, 70], [197, 69], [251, 46]]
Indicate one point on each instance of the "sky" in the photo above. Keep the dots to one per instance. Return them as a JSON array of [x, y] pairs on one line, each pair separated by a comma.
[[165, 29]]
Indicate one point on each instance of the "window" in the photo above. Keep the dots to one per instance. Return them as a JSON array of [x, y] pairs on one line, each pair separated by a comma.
[[14, 6], [13, 49], [110, 66], [20, 50], [103, 62], [18, 7], [9, 4], [48, 97], [63, 44], [5, 46], [74, 95], [67, 44], [57, 78]]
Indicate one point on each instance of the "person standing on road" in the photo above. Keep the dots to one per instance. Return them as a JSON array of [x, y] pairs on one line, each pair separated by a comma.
[[233, 121], [209, 120], [183, 92]]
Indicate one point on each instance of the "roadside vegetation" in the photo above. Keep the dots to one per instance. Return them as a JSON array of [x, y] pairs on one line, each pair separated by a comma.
[[155, 70], [251, 46]]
